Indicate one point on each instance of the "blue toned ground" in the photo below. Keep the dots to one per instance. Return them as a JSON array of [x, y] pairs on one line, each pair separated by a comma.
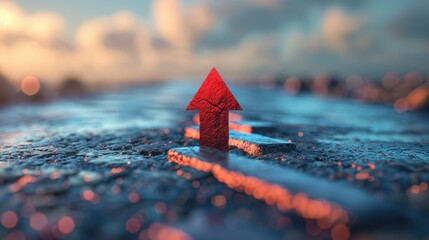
[[96, 167]]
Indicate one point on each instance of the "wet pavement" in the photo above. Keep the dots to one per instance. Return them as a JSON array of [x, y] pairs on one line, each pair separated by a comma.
[[97, 167]]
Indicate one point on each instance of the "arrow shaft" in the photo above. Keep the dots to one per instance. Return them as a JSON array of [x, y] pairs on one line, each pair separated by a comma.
[[214, 130]]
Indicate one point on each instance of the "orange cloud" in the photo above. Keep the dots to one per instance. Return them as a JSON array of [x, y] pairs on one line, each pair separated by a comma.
[[30, 43], [337, 27], [185, 39], [182, 27], [111, 48]]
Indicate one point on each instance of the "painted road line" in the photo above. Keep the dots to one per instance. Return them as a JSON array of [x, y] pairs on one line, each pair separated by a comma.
[[252, 126], [232, 117], [312, 198], [237, 124], [254, 144]]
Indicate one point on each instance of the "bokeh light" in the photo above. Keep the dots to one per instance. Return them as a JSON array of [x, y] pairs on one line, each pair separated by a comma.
[[9, 219], [30, 85], [66, 225], [38, 221]]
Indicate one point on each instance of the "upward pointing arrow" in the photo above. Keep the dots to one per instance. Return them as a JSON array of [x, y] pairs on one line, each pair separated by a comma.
[[214, 100]]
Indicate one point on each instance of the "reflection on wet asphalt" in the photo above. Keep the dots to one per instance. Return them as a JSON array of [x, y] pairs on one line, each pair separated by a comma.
[[97, 166]]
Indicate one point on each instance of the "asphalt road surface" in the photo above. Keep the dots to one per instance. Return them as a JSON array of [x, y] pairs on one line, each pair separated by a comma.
[[96, 167]]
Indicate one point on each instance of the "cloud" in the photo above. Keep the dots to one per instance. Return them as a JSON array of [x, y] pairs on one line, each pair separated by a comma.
[[202, 24], [341, 42], [186, 38], [42, 26], [411, 22], [182, 27], [30, 43], [108, 48], [118, 48], [240, 19], [340, 30], [213, 24], [111, 47]]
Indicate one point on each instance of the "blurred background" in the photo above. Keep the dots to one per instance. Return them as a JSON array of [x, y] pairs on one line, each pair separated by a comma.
[[372, 51], [93, 95]]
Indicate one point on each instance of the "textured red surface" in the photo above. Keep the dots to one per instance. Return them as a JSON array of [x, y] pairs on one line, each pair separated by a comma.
[[214, 100]]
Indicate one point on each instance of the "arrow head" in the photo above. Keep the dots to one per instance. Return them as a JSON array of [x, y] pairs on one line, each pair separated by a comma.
[[214, 96]]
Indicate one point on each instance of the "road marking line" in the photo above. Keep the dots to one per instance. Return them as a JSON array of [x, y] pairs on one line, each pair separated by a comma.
[[236, 123], [312, 198], [254, 144]]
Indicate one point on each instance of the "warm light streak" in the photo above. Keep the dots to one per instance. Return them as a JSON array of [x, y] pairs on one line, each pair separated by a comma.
[[273, 194], [117, 170], [253, 149], [401, 105], [244, 128], [418, 98], [362, 176], [21, 183]]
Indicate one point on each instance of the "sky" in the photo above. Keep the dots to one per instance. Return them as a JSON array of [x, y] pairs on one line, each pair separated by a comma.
[[128, 40]]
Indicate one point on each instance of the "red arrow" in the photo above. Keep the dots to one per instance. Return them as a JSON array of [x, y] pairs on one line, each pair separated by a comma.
[[214, 100]]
